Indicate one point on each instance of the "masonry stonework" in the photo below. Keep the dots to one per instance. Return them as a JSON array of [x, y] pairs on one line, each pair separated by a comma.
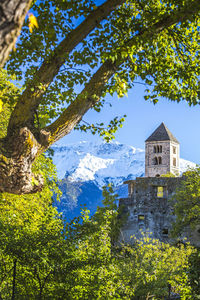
[[161, 153], [148, 207]]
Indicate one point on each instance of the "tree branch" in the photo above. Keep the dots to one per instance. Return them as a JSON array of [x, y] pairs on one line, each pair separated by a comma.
[[93, 90], [14, 279], [85, 100], [187, 12], [31, 97]]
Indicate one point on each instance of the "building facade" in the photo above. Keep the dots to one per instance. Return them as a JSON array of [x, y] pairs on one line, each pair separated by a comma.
[[149, 205], [148, 208], [161, 153]]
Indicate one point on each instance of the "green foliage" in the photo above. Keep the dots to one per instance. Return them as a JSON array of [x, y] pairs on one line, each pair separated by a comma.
[[30, 230], [118, 219], [168, 175], [150, 266], [167, 62], [187, 202], [101, 268], [8, 91], [194, 274], [107, 133], [8, 96], [43, 258]]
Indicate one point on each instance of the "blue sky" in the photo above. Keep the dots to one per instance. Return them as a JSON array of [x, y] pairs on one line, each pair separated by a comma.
[[142, 119]]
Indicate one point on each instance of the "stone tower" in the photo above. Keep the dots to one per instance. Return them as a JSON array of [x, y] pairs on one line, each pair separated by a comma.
[[161, 153]]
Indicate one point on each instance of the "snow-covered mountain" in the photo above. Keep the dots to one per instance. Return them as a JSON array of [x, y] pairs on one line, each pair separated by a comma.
[[85, 167], [102, 162]]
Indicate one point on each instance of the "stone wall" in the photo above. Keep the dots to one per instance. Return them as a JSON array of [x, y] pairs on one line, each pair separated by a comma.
[[149, 210], [148, 207]]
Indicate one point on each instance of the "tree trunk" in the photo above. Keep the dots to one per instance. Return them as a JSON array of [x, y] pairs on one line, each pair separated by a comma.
[[17, 154], [12, 15], [14, 279]]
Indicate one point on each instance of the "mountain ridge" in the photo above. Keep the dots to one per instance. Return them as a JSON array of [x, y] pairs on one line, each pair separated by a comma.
[[86, 161], [85, 167]]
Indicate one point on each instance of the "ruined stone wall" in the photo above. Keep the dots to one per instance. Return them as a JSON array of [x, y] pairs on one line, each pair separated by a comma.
[[148, 208]]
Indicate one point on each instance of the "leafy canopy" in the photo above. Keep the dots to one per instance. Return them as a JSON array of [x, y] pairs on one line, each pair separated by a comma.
[[43, 258], [187, 202], [137, 37]]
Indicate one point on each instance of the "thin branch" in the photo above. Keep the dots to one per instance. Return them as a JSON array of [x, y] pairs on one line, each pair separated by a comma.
[[179, 52], [93, 126], [142, 83], [42, 285], [72, 69], [39, 281], [14, 280], [89, 96]]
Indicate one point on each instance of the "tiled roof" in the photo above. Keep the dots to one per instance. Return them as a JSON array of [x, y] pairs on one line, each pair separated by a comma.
[[162, 133]]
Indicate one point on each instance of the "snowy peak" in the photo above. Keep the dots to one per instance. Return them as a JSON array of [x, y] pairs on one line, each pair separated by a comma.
[[102, 162], [88, 166]]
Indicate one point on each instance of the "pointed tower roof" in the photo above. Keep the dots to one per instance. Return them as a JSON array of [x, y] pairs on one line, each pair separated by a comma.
[[162, 133]]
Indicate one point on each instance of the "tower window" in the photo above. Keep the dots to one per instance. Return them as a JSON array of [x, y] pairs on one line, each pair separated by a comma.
[[141, 218], [160, 191], [157, 149], [165, 231], [174, 150], [155, 161], [174, 162]]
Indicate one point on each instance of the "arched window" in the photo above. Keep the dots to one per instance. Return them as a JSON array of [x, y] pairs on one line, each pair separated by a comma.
[[174, 162], [159, 160], [157, 175], [157, 149], [155, 161]]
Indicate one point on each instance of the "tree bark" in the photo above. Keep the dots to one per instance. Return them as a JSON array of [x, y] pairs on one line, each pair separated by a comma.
[[12, 15], [16, 157]]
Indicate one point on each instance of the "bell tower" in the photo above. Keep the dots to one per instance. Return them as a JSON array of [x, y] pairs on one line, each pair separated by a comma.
[[161, 153]]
